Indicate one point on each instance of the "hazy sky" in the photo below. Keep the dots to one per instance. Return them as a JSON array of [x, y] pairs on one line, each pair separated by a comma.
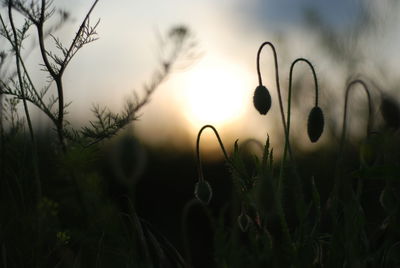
[[222, 81]]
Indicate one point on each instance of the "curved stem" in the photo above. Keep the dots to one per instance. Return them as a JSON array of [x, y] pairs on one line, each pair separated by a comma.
[[287, 148], [285, 129], [278, 88], [287, 143], [200, 170], [349, 87], [338, 179]]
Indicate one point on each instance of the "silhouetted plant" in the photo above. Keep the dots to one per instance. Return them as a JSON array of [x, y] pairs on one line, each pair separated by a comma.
[[203, 190], [370, 112], [315, 123], [262, 102], [262, 98], [36, 13], [315, 239], [35, 235], [179, 46]]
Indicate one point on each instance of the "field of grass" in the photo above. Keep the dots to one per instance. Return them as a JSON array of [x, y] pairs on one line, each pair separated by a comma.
[[96, 197]]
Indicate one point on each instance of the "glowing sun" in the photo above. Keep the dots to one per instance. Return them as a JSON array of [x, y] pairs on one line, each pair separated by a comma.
[[215, 94]]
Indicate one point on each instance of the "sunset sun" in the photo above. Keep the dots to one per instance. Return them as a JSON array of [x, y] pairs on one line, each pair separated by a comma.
[[215, 94]]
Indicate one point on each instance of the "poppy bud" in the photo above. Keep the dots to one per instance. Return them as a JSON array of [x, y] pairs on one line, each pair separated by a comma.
[[262, 99], [203, 191], [315, 125], [390, 112]]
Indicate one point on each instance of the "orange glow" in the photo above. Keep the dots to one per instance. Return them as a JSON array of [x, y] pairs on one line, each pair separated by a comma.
[[215, 94]]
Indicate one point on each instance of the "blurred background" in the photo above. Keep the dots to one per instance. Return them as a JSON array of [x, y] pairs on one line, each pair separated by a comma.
[[342, 39]]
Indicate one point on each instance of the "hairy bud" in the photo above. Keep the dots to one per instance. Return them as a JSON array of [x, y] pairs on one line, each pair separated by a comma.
[[315, 125], [262, 99]]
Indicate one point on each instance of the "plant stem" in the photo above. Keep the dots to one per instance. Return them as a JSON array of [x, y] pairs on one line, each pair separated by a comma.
[[70, 53], [16, 49], [278, 88], [285, 129], [344, 126], [338, 180], [287, 143], [199, 166], [57, 76], [287, 139]]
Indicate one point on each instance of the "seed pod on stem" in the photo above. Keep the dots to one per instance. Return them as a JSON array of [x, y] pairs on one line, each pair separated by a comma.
[[262, 99], [315, 124], [203, 190]]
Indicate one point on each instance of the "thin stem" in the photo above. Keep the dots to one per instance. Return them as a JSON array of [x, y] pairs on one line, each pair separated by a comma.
[[41, 104], [344, 127], [287, 148], [337, 181], [287, 143], [18, 60], [285, 129], [200, 170], [16, 47], [17, 57], [39, 26], [76, 38], [60, 117], [278, 88], [56, 75]]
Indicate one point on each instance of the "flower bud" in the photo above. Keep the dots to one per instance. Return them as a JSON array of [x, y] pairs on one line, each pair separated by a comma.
[[315, 125], [262, 99], [203, 191]]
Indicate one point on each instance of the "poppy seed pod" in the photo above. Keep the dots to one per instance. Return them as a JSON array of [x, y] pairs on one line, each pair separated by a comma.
[[262, 99], [390, 112], [203, 191], [315, 125]]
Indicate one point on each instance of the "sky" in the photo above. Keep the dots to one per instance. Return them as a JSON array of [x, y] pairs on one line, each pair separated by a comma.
[[218, 88]]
